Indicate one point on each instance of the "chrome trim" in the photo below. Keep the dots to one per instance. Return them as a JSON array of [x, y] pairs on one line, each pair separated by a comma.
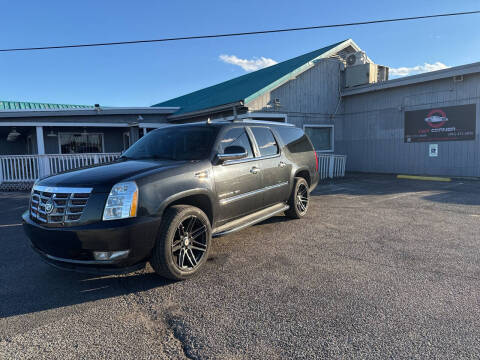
[[63, 199], [60, 189], [72, 261], [251, 193], [250, 223], [232, 162], [225, 157], [268, 157]]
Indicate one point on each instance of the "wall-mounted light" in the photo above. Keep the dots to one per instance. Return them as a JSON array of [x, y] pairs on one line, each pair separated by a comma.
[[51, 134], [13, 135]]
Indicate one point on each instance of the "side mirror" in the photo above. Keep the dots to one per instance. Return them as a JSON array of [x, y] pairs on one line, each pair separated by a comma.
[[232, 153]]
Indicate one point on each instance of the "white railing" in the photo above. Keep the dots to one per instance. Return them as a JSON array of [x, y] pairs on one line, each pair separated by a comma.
[[28, 168], [19, 168], [60, 163], [331, 166]]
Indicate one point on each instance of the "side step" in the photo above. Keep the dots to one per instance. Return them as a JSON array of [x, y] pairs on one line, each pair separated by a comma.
[[249, 220]]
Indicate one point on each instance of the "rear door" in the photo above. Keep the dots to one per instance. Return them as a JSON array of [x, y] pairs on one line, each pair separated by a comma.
[[238, 183], [275, 167]]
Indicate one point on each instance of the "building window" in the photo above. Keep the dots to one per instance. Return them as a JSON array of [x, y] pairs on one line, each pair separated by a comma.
[[321, 137], [80, 143]]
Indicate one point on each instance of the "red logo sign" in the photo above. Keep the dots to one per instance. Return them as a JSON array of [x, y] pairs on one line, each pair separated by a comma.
[[436, 118]]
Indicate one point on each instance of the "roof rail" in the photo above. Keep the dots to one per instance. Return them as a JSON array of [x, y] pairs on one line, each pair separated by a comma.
[[250, 120]]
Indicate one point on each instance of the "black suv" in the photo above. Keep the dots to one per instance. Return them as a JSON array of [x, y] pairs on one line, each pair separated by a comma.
[[168, 194]]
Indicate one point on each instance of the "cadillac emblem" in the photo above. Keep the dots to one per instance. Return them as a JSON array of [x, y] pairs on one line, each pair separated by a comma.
[[49, 206]]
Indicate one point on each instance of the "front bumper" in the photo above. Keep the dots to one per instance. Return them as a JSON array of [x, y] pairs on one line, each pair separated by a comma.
[[73, 246]]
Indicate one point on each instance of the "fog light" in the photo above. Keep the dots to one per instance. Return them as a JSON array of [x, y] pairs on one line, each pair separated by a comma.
[[110, 255]]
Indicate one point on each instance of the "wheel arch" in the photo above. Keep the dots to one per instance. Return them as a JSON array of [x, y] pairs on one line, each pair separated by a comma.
[[199, 198], [304, 173]]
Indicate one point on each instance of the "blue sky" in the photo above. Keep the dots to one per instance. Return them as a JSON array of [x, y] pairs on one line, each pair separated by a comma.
[[145, 74]]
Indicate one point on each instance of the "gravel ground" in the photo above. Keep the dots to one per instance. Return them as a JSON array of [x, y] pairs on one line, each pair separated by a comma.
[[380, 268]]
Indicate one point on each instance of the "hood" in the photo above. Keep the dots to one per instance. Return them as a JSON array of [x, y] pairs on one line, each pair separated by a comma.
[[102, 177]]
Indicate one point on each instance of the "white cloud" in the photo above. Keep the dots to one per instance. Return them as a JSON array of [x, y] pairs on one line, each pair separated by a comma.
[[248, 64], [404, 71]]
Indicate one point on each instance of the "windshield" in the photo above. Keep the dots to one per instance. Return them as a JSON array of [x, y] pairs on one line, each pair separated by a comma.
[[174, 143]]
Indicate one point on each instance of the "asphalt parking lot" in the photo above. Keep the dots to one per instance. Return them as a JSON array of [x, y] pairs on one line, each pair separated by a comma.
[[380, 268]]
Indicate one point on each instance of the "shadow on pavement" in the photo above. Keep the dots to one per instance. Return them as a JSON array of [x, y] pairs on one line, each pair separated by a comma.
[[454, 192], [42, 287]]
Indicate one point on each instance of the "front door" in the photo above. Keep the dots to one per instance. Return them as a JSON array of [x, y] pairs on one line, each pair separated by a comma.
[[238, 183]]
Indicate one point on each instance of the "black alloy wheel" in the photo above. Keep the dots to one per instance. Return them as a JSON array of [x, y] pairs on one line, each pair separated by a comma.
[[183, 242], [299, 199], [190, 243]]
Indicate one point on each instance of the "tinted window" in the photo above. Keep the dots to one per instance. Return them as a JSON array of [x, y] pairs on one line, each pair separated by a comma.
[[236, 137], [175, 143], [295, 139], [265, 141]]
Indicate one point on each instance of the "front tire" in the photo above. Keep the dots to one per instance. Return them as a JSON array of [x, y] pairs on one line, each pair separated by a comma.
[[183, 243], [299, 199]]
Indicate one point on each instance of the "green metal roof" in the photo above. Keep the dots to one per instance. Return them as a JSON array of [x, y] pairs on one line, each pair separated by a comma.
[[20, 105], [245, 87]]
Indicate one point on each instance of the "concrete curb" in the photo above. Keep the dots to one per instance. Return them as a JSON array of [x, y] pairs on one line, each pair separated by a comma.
[[426, 178]]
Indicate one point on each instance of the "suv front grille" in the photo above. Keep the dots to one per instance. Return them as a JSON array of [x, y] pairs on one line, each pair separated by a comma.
[[58, 205]]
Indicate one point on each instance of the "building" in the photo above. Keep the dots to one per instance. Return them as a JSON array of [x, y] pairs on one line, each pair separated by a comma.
[[422, 124], [37, 140], [34, 128]]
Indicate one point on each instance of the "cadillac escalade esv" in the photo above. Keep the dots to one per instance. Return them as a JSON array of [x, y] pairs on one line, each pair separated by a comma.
[[167, 195]]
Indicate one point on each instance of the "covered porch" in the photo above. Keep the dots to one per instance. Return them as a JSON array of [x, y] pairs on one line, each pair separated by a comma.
[[35, 143]]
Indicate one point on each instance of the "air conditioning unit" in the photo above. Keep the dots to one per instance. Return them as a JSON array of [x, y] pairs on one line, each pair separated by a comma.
[[361, 75], [357, 58], [382, 73]]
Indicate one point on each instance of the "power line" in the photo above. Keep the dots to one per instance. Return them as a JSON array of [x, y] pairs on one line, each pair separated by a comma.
[[241, 33]]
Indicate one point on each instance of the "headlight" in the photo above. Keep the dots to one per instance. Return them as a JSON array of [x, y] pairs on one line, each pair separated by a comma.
[[122, 201]]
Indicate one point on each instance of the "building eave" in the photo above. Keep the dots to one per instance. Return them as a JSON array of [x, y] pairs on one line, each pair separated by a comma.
[[415, 79], [88, 112], [205, 111]]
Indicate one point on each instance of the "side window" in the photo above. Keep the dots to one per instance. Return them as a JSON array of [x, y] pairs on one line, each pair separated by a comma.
[[294, 139], [236, 136], [265, 140]]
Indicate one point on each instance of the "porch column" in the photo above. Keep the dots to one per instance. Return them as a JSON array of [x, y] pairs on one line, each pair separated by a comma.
[[134, 134], [40, 143], [43, 163]]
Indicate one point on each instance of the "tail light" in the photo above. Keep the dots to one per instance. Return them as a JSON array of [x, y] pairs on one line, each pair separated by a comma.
[[316, 160]]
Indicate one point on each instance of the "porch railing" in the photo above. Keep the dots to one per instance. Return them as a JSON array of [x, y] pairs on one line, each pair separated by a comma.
[[28, 168], [331, 166]]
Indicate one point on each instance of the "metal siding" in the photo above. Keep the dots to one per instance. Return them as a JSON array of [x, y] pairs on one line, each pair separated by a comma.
[[309, 98], [373, 130]]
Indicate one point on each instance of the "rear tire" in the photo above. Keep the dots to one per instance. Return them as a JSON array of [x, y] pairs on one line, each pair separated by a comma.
[[182, 244], [299, 199]]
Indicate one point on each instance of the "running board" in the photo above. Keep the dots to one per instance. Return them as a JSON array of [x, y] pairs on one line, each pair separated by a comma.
[[249, 220]]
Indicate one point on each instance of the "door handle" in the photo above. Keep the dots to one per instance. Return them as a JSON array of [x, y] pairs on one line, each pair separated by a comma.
[[254, 170], [282, 164]]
